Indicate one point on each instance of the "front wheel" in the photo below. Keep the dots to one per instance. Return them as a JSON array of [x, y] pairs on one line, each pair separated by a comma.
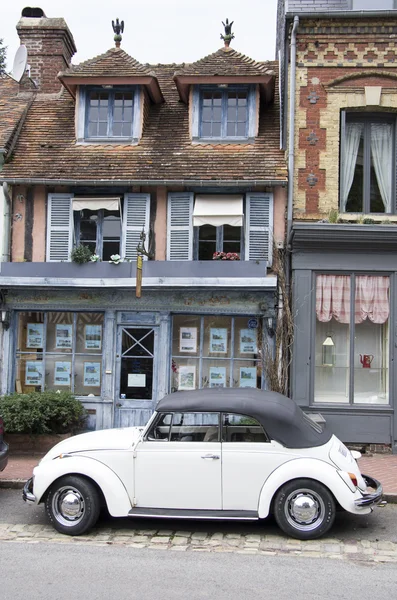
[[72, 505], [304, 509]]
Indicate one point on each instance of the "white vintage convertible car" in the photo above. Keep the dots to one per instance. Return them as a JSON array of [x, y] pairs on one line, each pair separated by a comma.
[[207, 454]]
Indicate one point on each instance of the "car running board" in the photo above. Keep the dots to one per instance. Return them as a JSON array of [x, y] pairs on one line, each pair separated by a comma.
[[176, 513]]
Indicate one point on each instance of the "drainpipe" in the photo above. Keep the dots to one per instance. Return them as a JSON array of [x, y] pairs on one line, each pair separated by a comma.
[[291, 142]]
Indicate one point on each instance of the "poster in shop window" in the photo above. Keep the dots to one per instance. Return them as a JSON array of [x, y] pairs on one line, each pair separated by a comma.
[[248, 341], [34, 372], [188, 339], [93, 337], [63, 336], [187, 377], [218, 340], [92, 374], [62, 373], [248, 377], [217, 377], [35, 335]]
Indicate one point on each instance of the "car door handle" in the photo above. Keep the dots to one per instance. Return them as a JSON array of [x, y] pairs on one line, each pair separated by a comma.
[[211, 456]]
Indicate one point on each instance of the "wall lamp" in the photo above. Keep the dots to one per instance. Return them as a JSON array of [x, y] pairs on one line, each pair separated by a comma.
[[270, 324], [5, 318]]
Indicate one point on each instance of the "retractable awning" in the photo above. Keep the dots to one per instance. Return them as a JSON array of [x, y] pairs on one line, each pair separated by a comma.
[[218, 210], [96, 203]]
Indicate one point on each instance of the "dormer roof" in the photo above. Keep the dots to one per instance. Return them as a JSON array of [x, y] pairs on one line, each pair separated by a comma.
[[12, 110], [115, 67], [226, 66]]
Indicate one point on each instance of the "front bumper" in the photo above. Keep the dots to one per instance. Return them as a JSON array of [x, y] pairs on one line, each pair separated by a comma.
[[372, 498], [27, 493], [3, 455]]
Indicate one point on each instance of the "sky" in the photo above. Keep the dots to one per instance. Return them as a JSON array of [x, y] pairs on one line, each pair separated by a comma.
[[155, 31]]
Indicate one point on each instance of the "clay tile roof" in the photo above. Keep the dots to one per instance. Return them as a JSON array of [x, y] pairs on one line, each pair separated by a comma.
[[11, 110], [115, 62], [226, 61]]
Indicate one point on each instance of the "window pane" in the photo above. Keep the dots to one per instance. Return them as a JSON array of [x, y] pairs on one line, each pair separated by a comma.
[[92, 129], [60, 335], [136, 379], [245, 338], [102, 129], [247, 373], [31, 334], [381, 167], [161, 429], [231, 129], [184, 375], [89, 333], [216, 130], [216, 373], [206, 129], [353, 168], [195, 427], [217, 332], [29, 375], [241, 129], [240, 428], [88, 375], [117, 129], [186, 336], [58, 372]]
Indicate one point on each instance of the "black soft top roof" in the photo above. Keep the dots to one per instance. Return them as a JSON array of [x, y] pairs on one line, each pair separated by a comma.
[[280, 416]]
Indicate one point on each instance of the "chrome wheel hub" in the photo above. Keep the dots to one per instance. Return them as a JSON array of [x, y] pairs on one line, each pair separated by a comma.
[[68, 506], [304, 509]]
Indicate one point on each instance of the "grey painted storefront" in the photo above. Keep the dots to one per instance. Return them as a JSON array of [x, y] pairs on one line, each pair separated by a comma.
[[151, 314], [342, 249]]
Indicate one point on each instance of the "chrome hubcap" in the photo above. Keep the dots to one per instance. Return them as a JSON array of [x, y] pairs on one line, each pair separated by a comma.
[[304, 509], [68, 506]]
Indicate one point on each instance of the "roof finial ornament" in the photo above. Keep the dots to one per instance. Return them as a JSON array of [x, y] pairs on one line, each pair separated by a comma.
[[227, 38], [118, 29]]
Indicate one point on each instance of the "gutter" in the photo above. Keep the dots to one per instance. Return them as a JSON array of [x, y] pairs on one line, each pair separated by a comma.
[[350, 14], [149, 182], [291, 142]]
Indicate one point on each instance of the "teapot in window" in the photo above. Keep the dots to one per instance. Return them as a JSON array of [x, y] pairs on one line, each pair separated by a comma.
[[366, 360]]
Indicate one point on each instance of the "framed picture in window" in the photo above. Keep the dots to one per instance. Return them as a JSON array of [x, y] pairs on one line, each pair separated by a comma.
[[248, 341], [34, 372], [62, 373], [218, 340], [92, 374], [63, 335], [248, 377], [93, 337], [217, 377], [188, 339], [35, 335], [187, 377]]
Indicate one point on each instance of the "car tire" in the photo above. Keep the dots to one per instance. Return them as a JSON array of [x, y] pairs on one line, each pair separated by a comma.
[[73, 505], [304, 509]]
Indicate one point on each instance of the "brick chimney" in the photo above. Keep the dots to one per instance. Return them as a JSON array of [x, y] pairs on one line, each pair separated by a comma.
[[50, 47]]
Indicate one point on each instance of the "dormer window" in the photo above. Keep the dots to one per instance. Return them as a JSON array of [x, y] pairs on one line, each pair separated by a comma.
[[224, 113], [110, 114]]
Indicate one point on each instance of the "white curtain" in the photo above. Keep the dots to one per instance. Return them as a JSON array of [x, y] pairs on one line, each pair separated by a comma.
[[382, 156], [351, 144]]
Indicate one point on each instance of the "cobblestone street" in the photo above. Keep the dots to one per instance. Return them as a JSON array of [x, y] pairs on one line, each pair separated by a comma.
[[201, 541]]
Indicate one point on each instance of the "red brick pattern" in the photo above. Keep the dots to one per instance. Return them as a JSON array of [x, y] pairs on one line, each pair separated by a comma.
[[383, 468]]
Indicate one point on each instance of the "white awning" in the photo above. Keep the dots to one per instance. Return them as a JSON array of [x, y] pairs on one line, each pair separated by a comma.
[[218, 210], [96, 203]]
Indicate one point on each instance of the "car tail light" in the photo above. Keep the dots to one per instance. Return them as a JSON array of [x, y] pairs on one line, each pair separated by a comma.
[[353, 477]]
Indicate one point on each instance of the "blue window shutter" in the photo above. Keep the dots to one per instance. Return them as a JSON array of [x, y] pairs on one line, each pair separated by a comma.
[[136, 215], [180, 226], [259, 227], [59, 227]]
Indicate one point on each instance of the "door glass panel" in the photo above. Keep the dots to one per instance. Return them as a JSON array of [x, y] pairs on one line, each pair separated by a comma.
[[136, 377], [240, 428], [195, 427]]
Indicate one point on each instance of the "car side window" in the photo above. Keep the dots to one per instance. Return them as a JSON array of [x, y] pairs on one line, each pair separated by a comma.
[[195, 427], [241, 428], [160, 430]]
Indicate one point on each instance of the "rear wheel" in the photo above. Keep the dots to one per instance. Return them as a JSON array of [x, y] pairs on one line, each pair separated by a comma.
[[73, 505], [304, 509]]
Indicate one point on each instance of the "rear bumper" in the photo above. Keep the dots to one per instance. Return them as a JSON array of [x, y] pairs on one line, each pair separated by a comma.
[[372, 498], [3, 455], [27, 493]]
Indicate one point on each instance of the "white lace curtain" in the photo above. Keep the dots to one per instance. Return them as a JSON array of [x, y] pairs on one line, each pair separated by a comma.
[[382, 154], [353, 136], [371, 298]]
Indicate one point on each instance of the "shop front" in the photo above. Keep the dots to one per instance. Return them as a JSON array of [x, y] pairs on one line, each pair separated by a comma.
[[120, 354]]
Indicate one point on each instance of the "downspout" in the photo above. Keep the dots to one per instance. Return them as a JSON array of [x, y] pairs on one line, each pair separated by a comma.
[[291, 139]]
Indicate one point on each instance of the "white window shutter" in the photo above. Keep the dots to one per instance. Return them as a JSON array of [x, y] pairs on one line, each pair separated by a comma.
[[59, 227], [136, 216], [180, 226], [259, 227]]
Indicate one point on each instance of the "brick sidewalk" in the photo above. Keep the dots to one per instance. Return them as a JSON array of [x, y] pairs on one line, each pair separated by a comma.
[[380, 466]]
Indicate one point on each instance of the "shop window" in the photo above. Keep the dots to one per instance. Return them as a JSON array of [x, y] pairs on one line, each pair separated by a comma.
[[352, 339], [59, 351], [215, 351], [100, 230], [368, 164]]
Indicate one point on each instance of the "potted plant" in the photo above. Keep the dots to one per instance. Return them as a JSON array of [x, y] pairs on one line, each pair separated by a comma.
[[81, 254], [225, 256]]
